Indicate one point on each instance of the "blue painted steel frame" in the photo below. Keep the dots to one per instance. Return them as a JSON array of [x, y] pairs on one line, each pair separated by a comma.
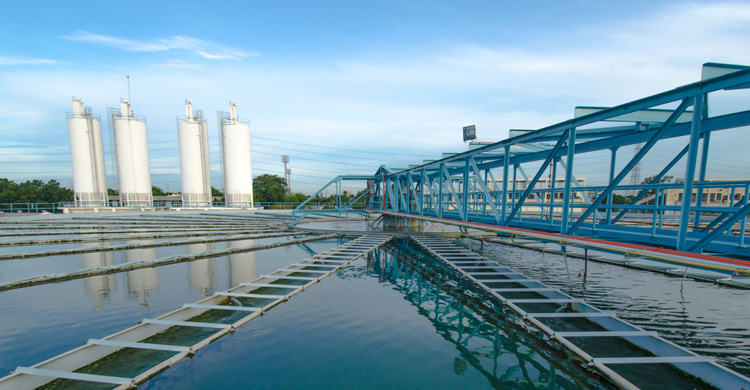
[[455, 186]]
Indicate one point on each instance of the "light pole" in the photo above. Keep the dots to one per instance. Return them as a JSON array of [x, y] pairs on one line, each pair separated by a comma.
[[289, 180], [285, 160]]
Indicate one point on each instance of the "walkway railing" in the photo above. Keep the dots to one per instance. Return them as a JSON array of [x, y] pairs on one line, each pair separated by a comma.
[[60, 207]]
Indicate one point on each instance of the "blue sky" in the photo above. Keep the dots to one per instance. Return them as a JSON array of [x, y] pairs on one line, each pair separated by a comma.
[[342, 87]]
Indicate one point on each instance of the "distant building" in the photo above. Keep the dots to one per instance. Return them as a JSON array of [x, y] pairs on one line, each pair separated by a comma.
[[542, 184], [712, 196]]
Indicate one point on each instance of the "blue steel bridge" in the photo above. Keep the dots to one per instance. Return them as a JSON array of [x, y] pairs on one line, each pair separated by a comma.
[[488, 188]]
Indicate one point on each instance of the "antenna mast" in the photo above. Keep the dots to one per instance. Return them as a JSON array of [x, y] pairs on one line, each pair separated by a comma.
[[128, 76]]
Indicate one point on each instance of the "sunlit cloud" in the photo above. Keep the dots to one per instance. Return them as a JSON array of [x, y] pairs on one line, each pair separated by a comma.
[[20, 61], [197, 46]]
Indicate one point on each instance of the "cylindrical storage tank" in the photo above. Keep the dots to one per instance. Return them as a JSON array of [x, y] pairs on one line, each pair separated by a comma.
[[194, 162], [235, 145], [131, 148], [87, 156]]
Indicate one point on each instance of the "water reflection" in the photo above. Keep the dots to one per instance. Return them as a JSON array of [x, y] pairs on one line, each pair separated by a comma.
[[98, 287], [141, 281], [202, 273], [482, 339], [307, 249], [241, 265]]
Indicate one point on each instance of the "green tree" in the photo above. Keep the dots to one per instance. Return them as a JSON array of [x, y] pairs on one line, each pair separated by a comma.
[[648, 180], [621, 199], [156, 191], [295, 197], [269, 188], [215, 192]]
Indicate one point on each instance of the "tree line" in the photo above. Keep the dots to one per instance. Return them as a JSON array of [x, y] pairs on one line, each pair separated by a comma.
[[34, 191]]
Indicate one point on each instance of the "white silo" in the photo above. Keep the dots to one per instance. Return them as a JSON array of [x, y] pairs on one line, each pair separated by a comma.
[[194, 163], [235, 145], [131, 148], [87, 156]]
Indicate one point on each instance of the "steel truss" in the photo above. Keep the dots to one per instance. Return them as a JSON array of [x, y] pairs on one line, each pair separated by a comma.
[[463, 186]]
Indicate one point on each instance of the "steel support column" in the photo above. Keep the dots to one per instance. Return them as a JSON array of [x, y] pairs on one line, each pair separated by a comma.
[[440, 192], [568, 178], [506, 162], [465, 205], [553, 179], [701, 179], [612, 163], [687, 196]]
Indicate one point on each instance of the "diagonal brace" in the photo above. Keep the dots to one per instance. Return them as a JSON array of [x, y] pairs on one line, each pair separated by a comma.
[[483, 187], [658, 177], [742, 213], [452, 190], [552, 154], [645, 149]]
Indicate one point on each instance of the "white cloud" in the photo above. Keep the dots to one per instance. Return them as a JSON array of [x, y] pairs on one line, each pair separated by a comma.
[[19, 61], [197, 46]]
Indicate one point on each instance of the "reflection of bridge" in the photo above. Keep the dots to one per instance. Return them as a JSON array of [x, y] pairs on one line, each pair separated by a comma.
[[477, 188], [506, 362]]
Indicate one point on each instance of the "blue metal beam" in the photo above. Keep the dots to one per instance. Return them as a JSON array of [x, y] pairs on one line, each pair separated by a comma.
[[506, 162], [612, 163], [701, 178], [690, 174], [465, 203], [568, 178]]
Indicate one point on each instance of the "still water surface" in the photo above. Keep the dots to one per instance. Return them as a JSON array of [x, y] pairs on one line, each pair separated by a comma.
[[43, 321]]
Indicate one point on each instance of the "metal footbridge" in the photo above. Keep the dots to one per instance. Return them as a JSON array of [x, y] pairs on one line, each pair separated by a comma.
[[526, 185], [130, 357]]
